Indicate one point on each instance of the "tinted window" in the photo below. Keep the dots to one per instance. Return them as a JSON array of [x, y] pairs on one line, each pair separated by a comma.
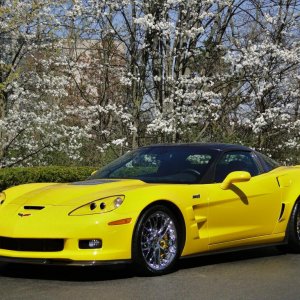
[[235, 161], [268, 162], [161, 164]]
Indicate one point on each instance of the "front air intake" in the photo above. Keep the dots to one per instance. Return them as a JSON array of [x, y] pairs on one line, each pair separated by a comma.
[[31, 245]]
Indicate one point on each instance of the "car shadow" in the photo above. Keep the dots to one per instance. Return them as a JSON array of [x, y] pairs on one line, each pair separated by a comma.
[[65, 273], [88, 274], [227, 257]]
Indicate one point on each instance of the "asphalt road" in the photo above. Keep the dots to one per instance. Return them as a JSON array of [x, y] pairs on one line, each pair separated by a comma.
[[256, 274]]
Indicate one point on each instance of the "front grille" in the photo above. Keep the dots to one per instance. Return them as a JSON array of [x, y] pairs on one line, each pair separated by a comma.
[[35, 245]]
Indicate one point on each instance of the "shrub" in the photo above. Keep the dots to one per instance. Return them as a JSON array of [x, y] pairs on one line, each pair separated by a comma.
[[15, 176]]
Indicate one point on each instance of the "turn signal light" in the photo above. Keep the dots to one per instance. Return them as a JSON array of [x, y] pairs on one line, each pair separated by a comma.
[[120, 222]]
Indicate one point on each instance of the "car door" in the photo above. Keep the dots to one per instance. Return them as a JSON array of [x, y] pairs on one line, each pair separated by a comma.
[[246, 209]]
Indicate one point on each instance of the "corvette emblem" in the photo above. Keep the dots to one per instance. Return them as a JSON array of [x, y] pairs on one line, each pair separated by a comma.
[[23, 215]]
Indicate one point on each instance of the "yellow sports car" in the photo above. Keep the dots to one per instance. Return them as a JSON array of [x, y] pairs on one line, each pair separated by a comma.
[[153, 206]]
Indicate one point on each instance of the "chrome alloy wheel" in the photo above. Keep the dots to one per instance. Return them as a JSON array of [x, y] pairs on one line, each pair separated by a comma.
[[159, 240]]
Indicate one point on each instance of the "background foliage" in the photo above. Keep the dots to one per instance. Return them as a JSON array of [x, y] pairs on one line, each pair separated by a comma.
[[15, 176], [83, 81]]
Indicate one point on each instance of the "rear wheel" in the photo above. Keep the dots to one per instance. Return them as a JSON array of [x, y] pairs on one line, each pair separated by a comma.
[[156, 243], [294, 230]]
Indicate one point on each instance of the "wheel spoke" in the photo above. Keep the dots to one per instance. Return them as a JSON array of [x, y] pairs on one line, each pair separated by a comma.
[[165, 226], [157, 258]]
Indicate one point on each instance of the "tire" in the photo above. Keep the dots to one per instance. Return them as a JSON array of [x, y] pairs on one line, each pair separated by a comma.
[[156, 242], [294, 230]]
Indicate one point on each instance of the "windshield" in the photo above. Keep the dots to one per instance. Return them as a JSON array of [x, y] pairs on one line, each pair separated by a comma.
[[164, 164]]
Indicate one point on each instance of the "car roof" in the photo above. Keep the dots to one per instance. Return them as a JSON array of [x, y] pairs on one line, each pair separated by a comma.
[[209, 146]]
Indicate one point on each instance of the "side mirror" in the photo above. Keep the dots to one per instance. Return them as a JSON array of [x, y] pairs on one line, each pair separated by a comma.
[[233, 177]]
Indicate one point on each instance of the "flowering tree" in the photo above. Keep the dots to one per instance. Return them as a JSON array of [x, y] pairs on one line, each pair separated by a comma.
[[32, 85], [116, 74], [265, 63]]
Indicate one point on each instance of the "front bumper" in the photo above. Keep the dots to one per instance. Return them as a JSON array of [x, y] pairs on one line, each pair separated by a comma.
[[53, 222]]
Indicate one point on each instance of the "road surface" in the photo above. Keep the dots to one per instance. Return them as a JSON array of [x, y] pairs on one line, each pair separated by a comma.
[[253, 274]]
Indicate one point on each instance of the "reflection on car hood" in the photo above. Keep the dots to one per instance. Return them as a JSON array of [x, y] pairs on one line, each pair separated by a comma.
[[76, 193]]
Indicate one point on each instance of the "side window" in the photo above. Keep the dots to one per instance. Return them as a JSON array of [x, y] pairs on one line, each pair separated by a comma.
[[235, 161], [268, 162]]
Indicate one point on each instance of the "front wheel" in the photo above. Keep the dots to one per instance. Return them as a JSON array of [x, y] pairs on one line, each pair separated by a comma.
[[294, 230], [156, 242]]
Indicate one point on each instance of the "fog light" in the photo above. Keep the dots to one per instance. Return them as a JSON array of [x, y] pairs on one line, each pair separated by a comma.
[[94, 244], [90, 244]]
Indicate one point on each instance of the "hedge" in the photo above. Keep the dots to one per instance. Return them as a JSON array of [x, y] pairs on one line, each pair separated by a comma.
[[15, 176]]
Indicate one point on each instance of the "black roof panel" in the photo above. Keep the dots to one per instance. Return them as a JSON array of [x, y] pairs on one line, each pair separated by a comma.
[[212, 146]]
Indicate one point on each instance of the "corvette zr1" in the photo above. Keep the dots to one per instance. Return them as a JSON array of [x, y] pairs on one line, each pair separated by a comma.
[[152, 206]]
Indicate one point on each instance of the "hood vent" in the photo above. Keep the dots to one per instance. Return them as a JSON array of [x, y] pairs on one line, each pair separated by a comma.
[[93, 182], [34, 207]]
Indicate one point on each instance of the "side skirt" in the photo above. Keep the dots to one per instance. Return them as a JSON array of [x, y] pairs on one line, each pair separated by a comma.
[[234, 249]]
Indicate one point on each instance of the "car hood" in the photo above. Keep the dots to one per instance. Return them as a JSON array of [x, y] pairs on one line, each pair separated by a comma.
[[75, 193]]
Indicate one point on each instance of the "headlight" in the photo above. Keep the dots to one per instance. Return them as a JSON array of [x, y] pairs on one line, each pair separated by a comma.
[[2, 198], [99, 206]]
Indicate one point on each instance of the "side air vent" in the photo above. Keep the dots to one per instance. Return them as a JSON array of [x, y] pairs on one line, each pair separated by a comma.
[[282, 211], [34, 207]]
